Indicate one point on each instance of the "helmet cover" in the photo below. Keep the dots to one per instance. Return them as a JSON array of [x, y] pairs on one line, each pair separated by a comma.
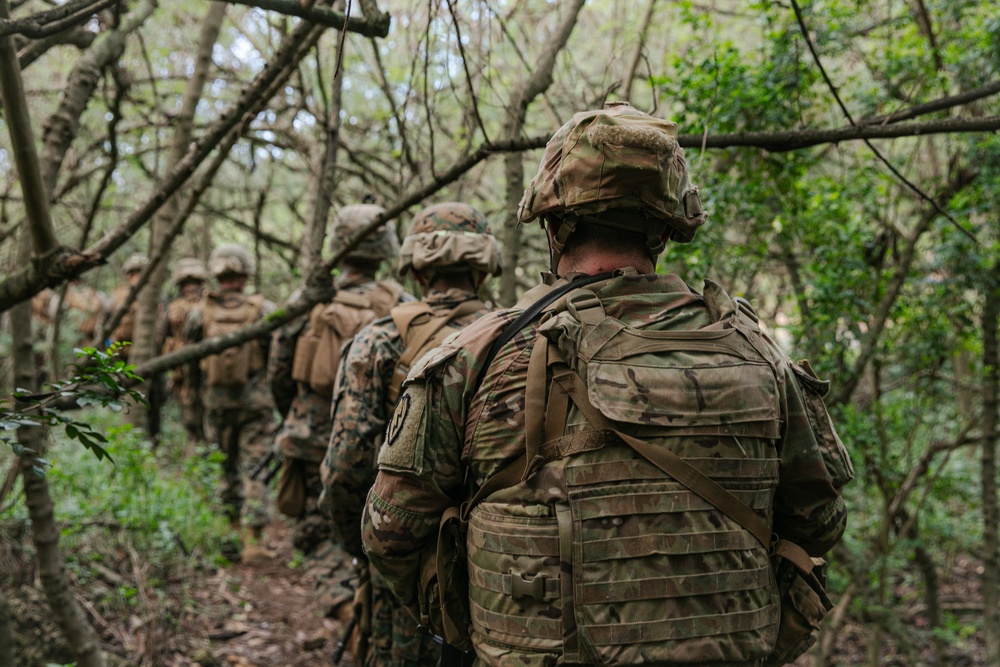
[[381, 244], [188, 268], [616, 158], [230, 259], [450, 235]]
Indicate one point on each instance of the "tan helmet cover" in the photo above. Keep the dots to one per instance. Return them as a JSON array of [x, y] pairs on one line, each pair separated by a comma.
[[616, 158], [135, 263], [450, 235], [381, 244], [188, 268], [230, 258]]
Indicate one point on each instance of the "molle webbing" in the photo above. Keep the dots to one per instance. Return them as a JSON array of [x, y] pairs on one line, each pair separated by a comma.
[[640, 525], [234, 366]]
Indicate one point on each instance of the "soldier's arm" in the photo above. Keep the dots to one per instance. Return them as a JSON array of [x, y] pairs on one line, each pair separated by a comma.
[[808, 507], [279, 364], [421, 474], [358, 425]]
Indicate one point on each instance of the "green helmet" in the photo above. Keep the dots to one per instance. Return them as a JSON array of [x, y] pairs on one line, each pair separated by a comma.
[[616, 167], [135, 263], [188, 268], [450, 235], [379, 245], [230, 259]]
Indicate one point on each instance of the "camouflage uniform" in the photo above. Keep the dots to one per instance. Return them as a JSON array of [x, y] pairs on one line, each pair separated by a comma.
[[302, 440], [546, 553], [122, 333], [240, 419], [364, 401], [302, 385], [189, 276]]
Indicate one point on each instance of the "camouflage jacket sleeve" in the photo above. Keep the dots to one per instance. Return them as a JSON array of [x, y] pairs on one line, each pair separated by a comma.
[[421, 469], [358, 424], [279, 362], [808, 507]]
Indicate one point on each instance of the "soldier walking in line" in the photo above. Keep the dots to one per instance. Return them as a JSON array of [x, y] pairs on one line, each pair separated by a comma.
[[238, 408], [188, 276], [450, 250], [132, 269], [301, 371], [600, 474]]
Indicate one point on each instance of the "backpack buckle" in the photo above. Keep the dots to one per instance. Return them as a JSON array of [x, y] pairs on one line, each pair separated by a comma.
[[527, 586]]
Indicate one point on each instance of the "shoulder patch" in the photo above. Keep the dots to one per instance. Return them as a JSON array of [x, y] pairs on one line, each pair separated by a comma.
[[403, 448]]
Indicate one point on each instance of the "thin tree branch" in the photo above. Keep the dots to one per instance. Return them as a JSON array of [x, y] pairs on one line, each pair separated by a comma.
[[465, 67], [18, 119], [371, 26], [940, 104], [847, 114], [44, 24]]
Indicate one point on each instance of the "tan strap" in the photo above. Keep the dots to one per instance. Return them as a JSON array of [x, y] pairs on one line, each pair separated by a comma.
[[534, 402]]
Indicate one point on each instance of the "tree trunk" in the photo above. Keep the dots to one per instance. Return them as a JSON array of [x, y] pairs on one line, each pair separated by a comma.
[[991, 514], [41, 243], [514, 176], [144, 343], [533, 86], [44, 530]]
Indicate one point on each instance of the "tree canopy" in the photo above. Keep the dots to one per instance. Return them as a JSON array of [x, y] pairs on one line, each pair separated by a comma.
[[846, 153]]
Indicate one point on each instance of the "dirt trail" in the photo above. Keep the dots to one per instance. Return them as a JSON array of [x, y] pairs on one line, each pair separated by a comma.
[[249, 615]]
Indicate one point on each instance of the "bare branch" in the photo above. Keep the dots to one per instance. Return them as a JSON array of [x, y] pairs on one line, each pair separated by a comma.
[[56, 20], [847, 114], [940, 104], [371, 26]]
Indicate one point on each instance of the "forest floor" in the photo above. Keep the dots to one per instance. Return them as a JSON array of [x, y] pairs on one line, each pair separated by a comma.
[[266, 613], [255, 614]]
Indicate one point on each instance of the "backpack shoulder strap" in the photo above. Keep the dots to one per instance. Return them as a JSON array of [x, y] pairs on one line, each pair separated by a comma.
[[418, 336], [405, 314], [385, 297], [529, 315]]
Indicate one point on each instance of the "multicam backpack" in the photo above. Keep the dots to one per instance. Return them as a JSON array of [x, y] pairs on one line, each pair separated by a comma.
[[647, 553], [234, 366], [317, 352]]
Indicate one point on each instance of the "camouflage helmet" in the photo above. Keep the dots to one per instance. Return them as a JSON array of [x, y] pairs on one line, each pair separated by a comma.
[[230, 259], [135, 263], [452, 235], [351, 219], [616, 167], [188, 268]]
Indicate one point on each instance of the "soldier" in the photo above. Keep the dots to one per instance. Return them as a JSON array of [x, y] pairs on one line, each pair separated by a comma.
[[238, 408], [132, 269], [189, 276], [301, 372], [450, 250], [614, 469]]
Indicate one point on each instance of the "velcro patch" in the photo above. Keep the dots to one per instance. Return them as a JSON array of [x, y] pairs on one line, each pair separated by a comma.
[[403, 448]]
